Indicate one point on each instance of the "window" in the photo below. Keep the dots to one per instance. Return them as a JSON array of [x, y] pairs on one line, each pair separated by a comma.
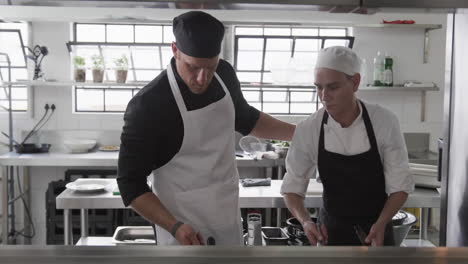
[[147, 47], [275, 65], [12, 39]]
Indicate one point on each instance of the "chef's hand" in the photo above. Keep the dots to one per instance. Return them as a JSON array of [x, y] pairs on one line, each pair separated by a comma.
[[187, 236], [315, 234], [376, 235]]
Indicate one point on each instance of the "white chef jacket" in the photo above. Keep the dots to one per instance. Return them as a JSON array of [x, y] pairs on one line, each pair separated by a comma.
[[301, 161]]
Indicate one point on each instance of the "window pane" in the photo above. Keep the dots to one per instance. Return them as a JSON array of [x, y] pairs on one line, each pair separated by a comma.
[[117, 100], [251, 96], [302, 96], [146, 57], [335, 42], [249, 31], [278, 31], [276, 59], [305, 31], [148, 34], [87, 52], [166, 56], [168, 35], [307, 45], [302, 108], [90, 100], [274, 96], [249, 77], [282, 108], [111, 53], [250, 44], [110, 73], [90, 33], [18, 74], [279, 44], [18, 93], [119, 33], [10, 44], [258, 106], [306, 59], [267, 77], [15, 105], [146, 75], [337, 32], [249, 60]]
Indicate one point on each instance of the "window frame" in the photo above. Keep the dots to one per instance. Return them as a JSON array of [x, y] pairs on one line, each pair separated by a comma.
[[25, 67], [263, 87], [134, 86]]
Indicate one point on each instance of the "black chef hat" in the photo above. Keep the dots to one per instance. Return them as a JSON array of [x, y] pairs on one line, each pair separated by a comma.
[[198, 34]]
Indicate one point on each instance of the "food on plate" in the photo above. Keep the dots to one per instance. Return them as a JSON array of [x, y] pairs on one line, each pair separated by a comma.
[[109, 148]]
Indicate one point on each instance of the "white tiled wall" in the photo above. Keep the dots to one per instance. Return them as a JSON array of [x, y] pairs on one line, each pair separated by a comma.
[[406, 46]]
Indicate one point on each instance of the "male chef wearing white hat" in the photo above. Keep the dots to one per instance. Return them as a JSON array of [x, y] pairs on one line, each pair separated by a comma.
[[357, 150]]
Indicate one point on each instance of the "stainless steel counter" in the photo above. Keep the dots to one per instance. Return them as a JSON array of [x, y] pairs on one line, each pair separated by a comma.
[[270, 255], [96, 159], [83, 160], [249, 197]]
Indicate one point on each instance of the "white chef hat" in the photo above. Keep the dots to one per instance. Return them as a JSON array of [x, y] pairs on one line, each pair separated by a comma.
[[340, 59]]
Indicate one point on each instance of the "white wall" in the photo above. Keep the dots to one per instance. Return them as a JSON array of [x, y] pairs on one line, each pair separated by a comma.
[[50, 27]]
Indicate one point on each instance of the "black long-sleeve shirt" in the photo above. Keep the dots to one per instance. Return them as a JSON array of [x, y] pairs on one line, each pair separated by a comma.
[[153, 131]]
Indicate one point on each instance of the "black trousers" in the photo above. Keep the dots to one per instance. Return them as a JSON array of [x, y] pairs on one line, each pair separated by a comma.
[[341, 230]]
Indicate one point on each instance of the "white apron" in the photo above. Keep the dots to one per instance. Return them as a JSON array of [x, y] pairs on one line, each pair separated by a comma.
[[200, 185]]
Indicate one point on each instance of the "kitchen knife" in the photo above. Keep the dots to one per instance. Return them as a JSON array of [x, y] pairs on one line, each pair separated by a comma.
[[361, 235]]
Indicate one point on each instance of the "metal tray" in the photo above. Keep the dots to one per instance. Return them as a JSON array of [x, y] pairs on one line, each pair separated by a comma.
[[274, 236], [134, 235]]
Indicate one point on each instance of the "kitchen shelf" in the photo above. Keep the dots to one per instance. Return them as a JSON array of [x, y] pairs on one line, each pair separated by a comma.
[[422, 90], [73, 83], [400, 88], [426, 27]]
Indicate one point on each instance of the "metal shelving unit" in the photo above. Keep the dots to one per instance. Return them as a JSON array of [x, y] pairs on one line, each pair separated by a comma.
[[426, 27], [422, 90], [73, 83]]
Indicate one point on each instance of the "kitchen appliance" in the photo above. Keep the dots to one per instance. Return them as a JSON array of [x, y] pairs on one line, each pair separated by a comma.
[[453, 166]]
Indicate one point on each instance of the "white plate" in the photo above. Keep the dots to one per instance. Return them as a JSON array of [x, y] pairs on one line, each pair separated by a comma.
[[87, 185]]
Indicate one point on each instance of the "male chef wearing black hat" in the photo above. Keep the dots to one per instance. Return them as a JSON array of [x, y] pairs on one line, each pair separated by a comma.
[[180, 128], [359, 153]]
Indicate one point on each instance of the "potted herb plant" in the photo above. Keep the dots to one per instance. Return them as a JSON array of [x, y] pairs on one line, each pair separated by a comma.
[[121, 68], [98, 68], [80, 71]]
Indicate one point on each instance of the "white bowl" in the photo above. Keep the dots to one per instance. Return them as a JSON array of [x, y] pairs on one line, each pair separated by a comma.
[[79, 145], [280, 150]]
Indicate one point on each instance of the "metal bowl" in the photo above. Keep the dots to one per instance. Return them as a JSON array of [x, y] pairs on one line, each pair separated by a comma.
[[295, 229], [401, 231], [32, 148]]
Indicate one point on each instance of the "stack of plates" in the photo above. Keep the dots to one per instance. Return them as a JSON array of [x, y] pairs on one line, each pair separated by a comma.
[[88, 185]]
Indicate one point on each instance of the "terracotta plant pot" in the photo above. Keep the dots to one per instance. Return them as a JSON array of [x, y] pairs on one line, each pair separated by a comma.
[[80, 75], [121, 76], [98, 75]]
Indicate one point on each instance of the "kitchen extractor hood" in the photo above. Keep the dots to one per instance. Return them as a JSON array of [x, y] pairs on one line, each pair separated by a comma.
[[325, 5], [332, 6]]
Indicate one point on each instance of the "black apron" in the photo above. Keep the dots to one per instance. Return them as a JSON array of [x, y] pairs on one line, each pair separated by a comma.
[[353, 190]]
